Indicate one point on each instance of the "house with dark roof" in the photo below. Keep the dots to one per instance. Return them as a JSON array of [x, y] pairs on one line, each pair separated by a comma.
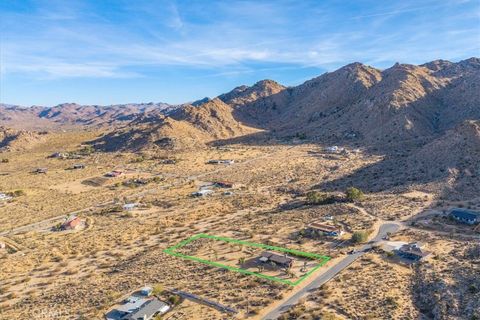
[[412, 251], [114, 173], [465, 216], [319, 228], [279, 260], [224, 184]]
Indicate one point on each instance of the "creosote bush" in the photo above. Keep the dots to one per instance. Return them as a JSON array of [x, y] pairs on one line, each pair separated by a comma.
[[354, 194]]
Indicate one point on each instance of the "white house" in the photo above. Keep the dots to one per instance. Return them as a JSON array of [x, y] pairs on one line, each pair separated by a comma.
[[130, 206], [202, 193]]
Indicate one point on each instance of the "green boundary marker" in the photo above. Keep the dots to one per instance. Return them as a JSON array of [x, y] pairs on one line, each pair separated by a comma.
[[322, 259]]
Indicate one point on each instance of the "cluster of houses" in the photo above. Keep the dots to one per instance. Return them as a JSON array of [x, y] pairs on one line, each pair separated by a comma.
[[220, 161], [140, 306]]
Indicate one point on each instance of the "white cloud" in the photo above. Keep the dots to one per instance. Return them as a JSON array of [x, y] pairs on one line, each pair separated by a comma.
[[74, 42]]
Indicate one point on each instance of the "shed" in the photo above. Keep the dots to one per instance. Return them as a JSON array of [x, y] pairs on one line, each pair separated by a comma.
[[72, 223]]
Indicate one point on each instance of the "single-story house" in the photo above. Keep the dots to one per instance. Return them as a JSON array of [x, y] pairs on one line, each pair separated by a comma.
[[71, 223], [392, 246], [224, 184], [319, 228], [78, 166], [41, 170], [202, 193], [129, 206], [412, 251], [149, 310], [140, 181], [332, 149], [465, 216], [114, 173], [220, 161], [279, 260], [130, 305], [59, 155]]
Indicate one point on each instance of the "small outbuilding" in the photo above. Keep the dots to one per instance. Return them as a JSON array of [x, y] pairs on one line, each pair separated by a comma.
[[72, 223]]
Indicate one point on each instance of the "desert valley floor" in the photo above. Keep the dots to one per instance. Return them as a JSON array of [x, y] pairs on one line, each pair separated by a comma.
[[47, 272]]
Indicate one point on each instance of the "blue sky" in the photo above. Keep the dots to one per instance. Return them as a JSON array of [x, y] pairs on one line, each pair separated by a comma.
[[119, 51]]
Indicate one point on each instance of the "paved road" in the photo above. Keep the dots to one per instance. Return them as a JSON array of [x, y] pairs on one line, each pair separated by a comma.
[[331, 272]]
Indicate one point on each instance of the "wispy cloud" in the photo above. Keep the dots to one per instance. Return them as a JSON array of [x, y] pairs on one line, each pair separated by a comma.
[[88, 40]]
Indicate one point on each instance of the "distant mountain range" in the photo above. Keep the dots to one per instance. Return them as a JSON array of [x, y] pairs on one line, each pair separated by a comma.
[[405, 105], [75, 114]]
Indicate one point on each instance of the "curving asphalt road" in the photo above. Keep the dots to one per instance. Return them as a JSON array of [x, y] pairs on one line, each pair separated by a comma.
[[331, 272]]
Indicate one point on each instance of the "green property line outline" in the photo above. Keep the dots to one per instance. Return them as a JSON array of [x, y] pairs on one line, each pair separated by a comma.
[[172, 251]]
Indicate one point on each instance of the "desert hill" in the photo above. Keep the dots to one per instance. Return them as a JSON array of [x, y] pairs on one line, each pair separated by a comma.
[[370, 106], [16, 140], [451, 160], [243, 95], [186, 128]]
